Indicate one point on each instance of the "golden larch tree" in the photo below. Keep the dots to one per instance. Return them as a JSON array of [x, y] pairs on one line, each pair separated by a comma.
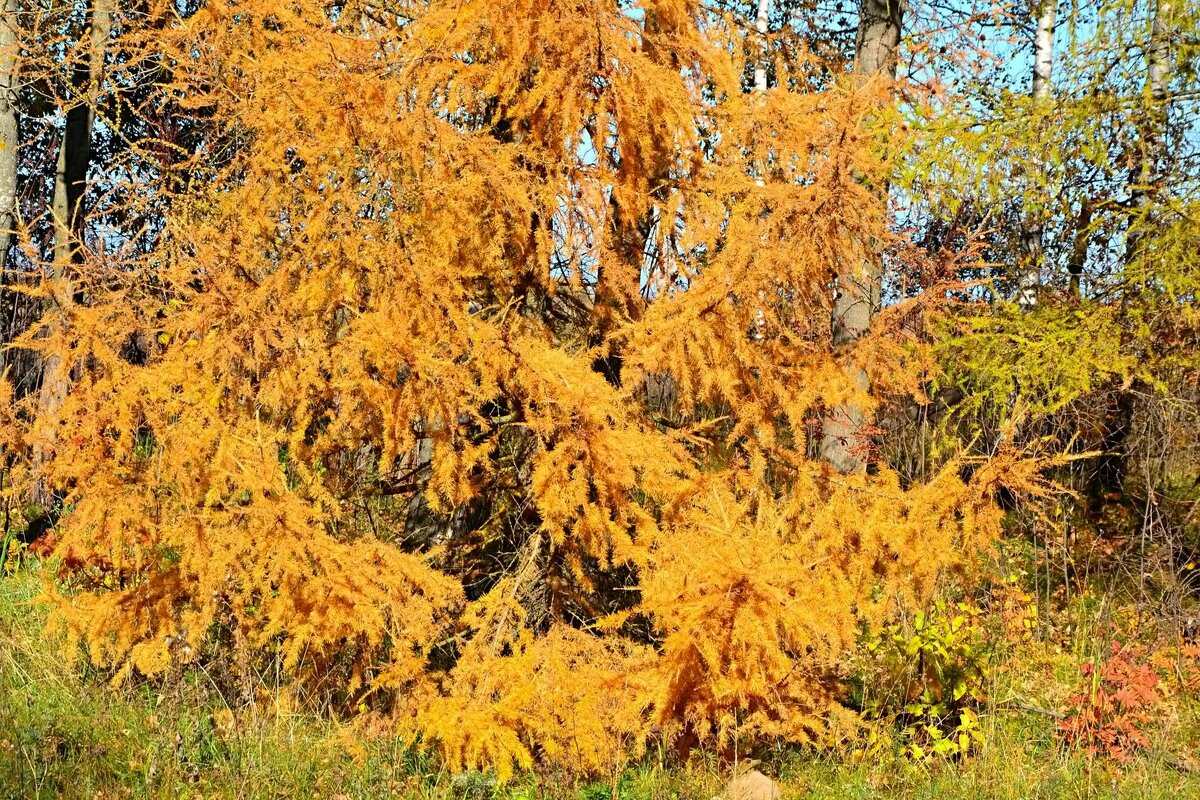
[[485, 341]]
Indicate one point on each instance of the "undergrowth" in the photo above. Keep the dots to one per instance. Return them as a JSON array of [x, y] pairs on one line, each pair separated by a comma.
[[67, 732]]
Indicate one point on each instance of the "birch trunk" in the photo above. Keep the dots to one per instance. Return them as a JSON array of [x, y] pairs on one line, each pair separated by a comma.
[[859, 294], [8, 128], [1029, 279]]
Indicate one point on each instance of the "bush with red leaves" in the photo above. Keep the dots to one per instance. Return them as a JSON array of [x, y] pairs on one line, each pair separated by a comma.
[[1108, 713]]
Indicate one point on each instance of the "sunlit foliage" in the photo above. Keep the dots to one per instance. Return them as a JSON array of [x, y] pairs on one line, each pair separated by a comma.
[[475, 369]]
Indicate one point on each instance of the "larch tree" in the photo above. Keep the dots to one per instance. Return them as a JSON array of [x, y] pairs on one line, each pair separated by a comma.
[[1110, 168], [435, 255], [1147, 168]]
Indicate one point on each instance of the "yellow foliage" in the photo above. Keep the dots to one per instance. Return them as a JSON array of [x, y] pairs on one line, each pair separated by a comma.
[[567, 696], [435, 254]]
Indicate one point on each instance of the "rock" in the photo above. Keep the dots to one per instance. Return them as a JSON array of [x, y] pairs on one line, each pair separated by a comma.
[[751, 785]]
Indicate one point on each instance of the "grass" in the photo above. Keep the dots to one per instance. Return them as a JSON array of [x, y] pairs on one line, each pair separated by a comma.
[[64, 734]]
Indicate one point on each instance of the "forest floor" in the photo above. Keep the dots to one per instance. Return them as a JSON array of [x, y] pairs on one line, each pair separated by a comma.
[[66, 735]]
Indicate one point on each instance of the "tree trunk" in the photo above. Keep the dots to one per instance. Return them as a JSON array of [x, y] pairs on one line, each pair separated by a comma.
[[8, 128], [760, 25], [879, 27], [1146, 180], [75, 152], [1145, 176], [1029, 279], [1079, 247], [70, 183], [1043, 48], [859, 294]]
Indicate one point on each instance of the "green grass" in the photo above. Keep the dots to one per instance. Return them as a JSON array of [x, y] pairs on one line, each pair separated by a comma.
[[64, 734]]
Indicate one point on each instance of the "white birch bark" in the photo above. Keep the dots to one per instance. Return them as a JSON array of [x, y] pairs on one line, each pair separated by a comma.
[[1029, 279], [8, 127]]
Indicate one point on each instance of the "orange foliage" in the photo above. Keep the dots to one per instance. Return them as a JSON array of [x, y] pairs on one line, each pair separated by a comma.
[[1108, 713], [448, 248]]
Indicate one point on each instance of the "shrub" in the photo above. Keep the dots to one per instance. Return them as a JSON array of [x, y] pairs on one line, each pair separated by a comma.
[[930, 678], [1108, 713]]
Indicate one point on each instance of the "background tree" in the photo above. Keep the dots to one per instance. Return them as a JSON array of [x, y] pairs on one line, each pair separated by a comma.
[[858, 293], [9, 140]]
